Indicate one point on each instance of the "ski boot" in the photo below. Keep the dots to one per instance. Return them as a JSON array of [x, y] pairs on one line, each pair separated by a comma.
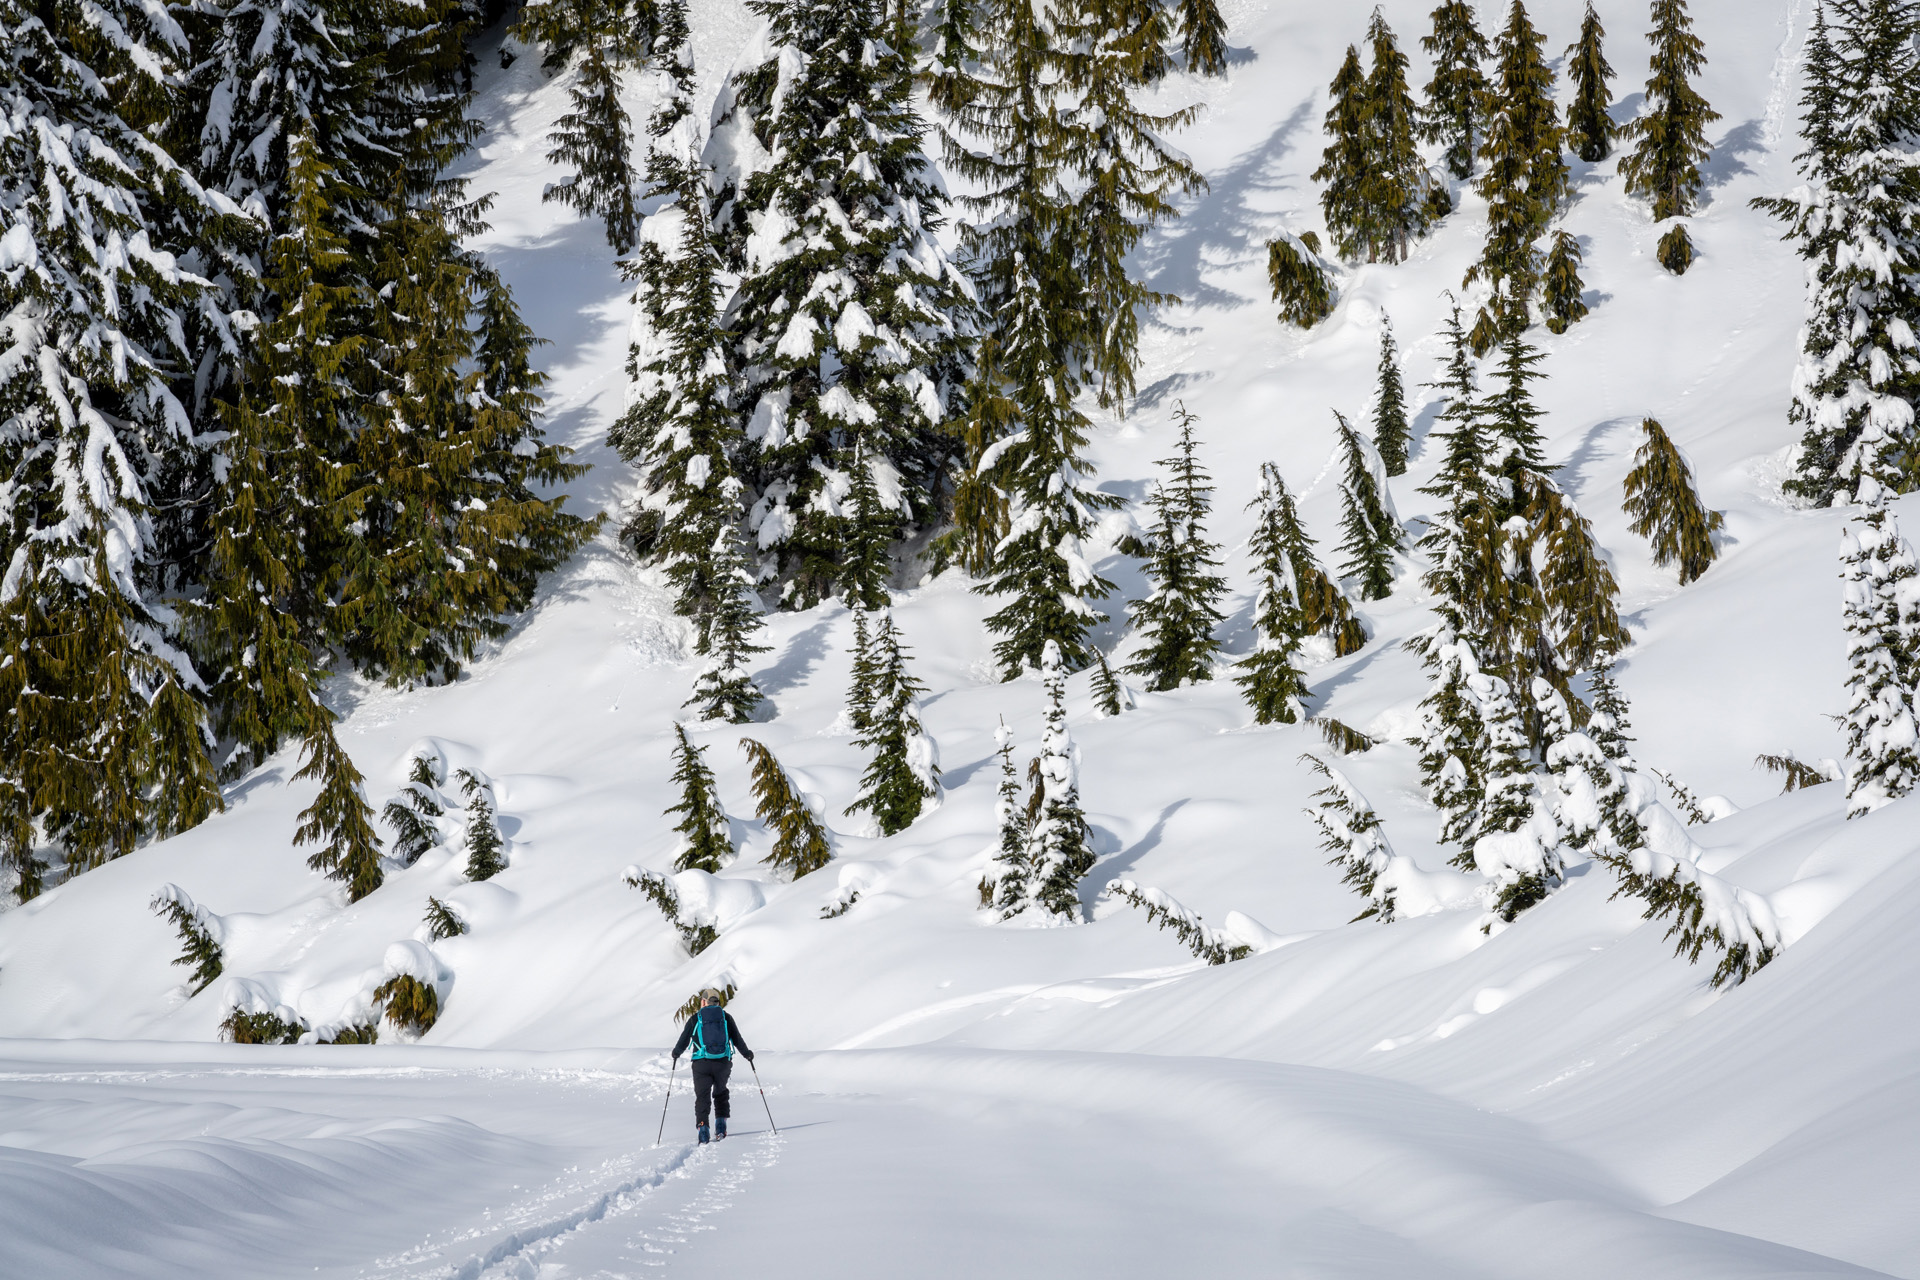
[[703, 1131], [720, 1127]]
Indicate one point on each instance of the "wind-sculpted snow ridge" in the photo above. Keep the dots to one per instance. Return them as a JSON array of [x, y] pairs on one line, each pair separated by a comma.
[[1426, 1096]]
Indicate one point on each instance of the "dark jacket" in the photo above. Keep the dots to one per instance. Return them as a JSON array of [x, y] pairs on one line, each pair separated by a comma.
[[733, 1036]]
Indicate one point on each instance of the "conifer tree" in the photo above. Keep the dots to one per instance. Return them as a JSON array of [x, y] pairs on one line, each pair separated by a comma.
[[1513, 845], [1396, 185], [1671, 132], [904, 771], [850, 318], [1301, 279], [1458, 97], [1451, 736], [706, 836], [412, 812], [1110, 696], [1279, 537], [601, 41], [1350, 830], [1525, 178], [485, 855], [1560, 298], [1203, 36], [724, 689], [102, 736], [1391, 434], [1110, 54], [443, 921], [1666, 507], [1179, 616], [1462, 540], [201, 934], [1005, 886], [1059, 850], [1858, 378], [1371, 532], [1883, 638], [801, 843], [1270, 676], [1040, 566], [1590, 129], [1346, 162]]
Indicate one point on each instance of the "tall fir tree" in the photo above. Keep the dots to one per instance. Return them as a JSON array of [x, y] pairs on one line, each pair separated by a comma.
[[1458, 98], [1270, 678], [1450, 737], [1179, 616], [724, 689], [1590, 129], [1670, 135], [1371, 532], [1664, 502], [1396, 188], [1525, 178], [850, 318], [706, 837], [1111, 54], [1560, 295], [1346, 162], [1858, 379], [486, 857], [1882, 619], [1059, 850], [1324, 607], [904, 771], [102, 732], [1391, 434], [600, 43]]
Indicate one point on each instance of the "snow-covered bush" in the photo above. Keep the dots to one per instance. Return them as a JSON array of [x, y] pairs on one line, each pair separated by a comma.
[[1350, 830], [411, 994]]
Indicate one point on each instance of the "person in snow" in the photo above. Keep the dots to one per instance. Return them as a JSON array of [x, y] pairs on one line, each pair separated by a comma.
[[714, 1036]]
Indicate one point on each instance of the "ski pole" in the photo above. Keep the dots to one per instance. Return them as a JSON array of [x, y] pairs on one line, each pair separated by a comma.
[[663, 1103], [763, 1097]]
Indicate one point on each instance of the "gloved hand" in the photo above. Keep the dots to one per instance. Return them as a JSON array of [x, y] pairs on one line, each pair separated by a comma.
[[746, 1055]]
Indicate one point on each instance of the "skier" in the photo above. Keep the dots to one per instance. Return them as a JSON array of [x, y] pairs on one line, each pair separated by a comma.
[[714, 1036]]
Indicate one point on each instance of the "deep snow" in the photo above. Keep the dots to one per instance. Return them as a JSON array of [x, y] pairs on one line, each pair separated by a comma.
[[962, 1097]]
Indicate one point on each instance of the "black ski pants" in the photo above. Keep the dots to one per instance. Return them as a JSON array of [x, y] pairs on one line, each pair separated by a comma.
[[710, 1079]]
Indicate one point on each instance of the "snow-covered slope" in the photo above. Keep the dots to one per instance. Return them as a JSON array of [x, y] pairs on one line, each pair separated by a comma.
[[1564, 1098]]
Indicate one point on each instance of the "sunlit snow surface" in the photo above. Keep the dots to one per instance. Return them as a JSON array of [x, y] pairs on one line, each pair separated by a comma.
[[964, 1099]]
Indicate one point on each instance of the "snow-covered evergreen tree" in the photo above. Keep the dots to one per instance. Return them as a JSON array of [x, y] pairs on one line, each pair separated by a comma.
[[1670, 135], [1005, 884], [706, 837], [1371, 531], [101, 732], [1458, 99], [1347, 161], [904, 771], [1111, 696], [1391, 433], [801, 843], [600, 42], [850, 318], [1059, 850], [1178, 618], [201, 933], [1350, 830], [411, 814], [1515, 842], [1560, 298], [1270, 676], [1590, 129], [1302, 280], [485, 849], [1524, 181], [1279, 537], [1450, 735], [1111, 54], [1666, 508], [1858, 379], [1882, 613], [724, 689]]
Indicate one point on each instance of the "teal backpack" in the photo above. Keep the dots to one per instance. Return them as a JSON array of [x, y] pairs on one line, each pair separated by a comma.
[[710, 1038]]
